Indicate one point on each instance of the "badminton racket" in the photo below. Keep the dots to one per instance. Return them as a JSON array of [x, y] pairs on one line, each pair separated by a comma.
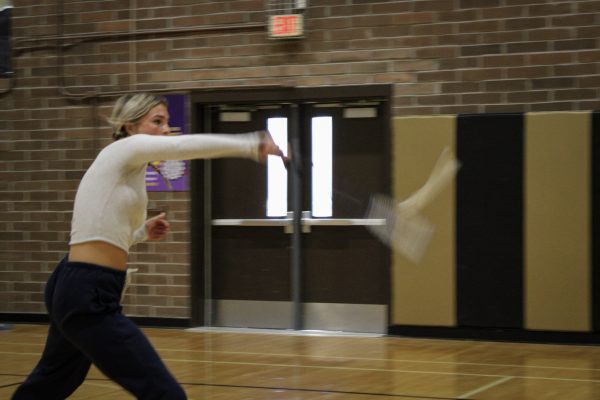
[[400, 225], [403, 228]]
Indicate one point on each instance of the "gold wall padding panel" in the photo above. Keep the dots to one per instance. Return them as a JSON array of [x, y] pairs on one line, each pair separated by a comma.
[[424, 293], [557, 221]]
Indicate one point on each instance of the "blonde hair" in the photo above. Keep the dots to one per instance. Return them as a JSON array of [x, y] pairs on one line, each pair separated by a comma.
[[130, 109]]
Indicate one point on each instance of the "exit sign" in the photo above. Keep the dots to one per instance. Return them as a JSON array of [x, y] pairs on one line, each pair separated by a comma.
[[286, 26]]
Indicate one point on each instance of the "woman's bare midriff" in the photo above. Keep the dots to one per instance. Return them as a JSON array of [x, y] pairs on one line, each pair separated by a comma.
[[99, 253]]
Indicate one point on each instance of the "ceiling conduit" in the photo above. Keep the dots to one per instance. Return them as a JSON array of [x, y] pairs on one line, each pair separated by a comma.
[[60, 42]]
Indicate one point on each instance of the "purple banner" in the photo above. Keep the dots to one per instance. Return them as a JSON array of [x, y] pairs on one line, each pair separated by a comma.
[[175, 173]]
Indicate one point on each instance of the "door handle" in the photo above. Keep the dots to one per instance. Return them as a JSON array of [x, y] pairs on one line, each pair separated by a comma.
[[343, 221], [252, 222], [286, 222], [307, 221]]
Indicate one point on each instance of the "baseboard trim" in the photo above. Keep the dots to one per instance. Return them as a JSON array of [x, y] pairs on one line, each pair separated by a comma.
[[430, 332], [496, 334], [25, 318], [157, 322]]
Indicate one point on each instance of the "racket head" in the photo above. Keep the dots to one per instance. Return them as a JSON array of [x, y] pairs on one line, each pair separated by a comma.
[[399, 227]]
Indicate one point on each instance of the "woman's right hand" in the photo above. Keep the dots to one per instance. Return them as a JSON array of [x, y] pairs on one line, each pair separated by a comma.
[[268, 147]]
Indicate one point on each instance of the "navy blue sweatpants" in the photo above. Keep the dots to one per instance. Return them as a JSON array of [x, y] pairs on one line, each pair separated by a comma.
[[87, 326]]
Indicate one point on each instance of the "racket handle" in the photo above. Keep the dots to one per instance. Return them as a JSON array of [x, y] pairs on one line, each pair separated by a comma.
[[443, 172]]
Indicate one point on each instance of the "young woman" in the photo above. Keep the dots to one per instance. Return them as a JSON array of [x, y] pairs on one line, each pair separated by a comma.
[[83, 293]]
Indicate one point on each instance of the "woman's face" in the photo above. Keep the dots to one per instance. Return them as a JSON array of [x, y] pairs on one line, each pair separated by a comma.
[[156, 122]]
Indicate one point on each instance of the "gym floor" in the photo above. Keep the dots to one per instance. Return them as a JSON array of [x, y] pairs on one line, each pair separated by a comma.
[[248, 365]]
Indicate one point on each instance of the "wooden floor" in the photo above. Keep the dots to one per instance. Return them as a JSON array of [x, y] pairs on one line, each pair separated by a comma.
[[231, 366]]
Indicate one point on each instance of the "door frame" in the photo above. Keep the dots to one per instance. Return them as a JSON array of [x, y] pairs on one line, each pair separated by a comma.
[[200, 102]]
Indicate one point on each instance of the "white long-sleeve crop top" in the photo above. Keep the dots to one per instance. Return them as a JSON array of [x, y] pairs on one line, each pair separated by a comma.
[[111, 201]]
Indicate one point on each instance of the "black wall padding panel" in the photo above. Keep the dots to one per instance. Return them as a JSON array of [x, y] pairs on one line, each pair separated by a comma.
[[5, 49], [596, 221], [489, 241]]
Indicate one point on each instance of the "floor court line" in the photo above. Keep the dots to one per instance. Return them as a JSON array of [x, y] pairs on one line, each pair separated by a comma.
[[88, 382], [399, 395], [379, 359], [285, 332], [380, 370], [21, 353], [354, 369], [164, 349], [92, 382], [485, 387], [9, 385], [330, 367]]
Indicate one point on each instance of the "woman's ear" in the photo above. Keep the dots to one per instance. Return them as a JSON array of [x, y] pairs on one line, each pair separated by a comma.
[[130, 128]]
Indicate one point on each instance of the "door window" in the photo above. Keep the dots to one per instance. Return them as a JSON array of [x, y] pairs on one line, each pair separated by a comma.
[[322, 166], [277, 177]]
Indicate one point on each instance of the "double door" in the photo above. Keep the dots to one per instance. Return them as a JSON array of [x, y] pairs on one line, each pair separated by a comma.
[[286, 247]]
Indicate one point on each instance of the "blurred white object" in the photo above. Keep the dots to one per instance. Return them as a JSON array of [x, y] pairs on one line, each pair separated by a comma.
[[405, 230]]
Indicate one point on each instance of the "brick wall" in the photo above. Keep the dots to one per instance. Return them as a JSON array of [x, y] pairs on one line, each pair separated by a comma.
[[441, 56]]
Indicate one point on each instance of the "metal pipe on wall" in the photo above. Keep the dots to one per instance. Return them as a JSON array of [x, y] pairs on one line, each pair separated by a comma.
[[60, 42], [296, 239]]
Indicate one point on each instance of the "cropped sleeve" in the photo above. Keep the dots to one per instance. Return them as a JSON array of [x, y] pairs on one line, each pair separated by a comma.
[[140, 234]]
